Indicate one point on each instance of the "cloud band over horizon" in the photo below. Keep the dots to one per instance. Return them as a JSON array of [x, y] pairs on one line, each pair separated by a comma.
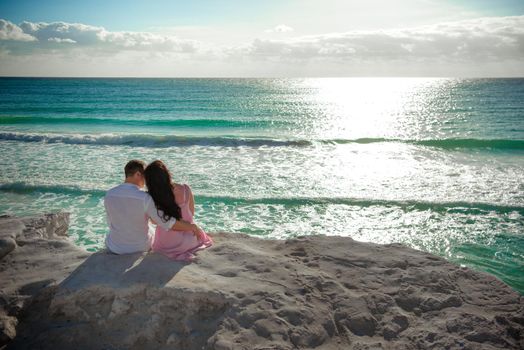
[[495, 45]]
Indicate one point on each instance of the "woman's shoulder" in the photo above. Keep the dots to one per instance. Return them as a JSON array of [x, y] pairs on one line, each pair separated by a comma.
[[181, 189], [178, 186]]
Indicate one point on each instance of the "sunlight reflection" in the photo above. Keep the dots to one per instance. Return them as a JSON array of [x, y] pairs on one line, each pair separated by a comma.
[[352, 108]]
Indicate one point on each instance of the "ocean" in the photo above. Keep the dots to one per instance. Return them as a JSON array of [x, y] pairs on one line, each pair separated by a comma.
[[433, 163]]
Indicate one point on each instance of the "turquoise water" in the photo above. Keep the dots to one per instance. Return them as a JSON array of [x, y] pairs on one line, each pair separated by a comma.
[[437, 164]]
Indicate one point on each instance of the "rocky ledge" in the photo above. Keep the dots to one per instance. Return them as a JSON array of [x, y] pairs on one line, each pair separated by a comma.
[[245, 293]]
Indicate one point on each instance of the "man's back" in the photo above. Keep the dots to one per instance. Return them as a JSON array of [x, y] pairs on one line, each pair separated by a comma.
[[126, 207]]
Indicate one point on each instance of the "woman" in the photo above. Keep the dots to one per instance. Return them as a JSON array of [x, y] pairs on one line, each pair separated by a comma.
[[173, 200]]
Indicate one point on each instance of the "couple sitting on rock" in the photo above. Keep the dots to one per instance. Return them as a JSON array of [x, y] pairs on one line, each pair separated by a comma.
[[168, 205]]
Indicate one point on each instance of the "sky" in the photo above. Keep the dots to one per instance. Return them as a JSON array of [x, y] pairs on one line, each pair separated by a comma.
[[270, 38]]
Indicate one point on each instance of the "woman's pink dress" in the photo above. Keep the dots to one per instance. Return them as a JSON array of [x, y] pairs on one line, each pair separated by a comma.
[[180, 245]]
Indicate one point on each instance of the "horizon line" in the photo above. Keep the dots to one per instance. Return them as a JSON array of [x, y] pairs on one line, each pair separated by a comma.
[[254, 77]]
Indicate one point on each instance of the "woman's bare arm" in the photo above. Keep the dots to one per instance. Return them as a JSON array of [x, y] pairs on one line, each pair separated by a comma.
[[191, 201]]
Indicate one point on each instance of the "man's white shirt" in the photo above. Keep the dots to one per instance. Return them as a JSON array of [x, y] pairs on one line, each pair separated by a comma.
[[128, 210]]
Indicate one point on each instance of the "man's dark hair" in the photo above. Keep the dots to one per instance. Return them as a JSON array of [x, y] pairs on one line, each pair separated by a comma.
[[133, 166]]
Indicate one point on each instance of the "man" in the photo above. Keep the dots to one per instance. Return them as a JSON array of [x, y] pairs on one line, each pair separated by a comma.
[[128, 210]]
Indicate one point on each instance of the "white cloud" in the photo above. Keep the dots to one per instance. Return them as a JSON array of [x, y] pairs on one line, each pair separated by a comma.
[[80, 33], [10, 31], [480, 47], [59, 40], [91, 36], [147, 41], [281, 28], [483, 39]]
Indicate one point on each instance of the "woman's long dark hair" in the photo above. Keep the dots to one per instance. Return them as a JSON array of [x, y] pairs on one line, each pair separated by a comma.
[[160, 187]]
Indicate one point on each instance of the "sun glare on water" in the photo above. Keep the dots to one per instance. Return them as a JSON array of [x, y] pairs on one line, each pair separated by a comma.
[[359, 108]]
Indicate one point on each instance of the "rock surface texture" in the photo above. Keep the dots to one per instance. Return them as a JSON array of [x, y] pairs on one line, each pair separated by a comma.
[[245, 293]]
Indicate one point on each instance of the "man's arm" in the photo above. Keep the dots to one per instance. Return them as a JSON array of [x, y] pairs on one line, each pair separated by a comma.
[[181, 225], [171, 224], [152, 213]]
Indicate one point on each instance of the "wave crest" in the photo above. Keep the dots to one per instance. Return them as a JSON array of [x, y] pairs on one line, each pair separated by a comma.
[[198, 123], [471, 208], [152, 140], [149, 140]]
